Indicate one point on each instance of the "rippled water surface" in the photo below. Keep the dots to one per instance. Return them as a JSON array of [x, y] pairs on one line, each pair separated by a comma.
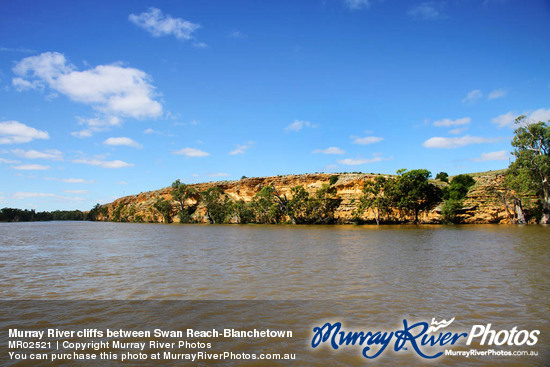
[[477, 273]]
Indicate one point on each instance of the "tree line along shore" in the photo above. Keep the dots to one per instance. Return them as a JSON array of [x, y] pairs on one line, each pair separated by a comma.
[[519, 194]]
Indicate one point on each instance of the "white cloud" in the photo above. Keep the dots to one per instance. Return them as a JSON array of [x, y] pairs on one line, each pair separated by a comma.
[[103, 163], [219, 174], [86, 133], [457, 122], [358, 4], [45, 67], [330, 150], [458, 131], [366, 140], [451, 143], [158, 24], [17, 49], [9, 161], [112, 90], [12, 132], [425, 11], [21, 84], [52, 154], [31, 167], [501, 155], [472, 96], [508, 119], [149, 131], [191, 152], [69, 180], [122, 141], [497, 93], [359, 161], [25, 195], [122, 183], [76, 191], [298, 125], [539, 115], [237, 34], [240, 149]]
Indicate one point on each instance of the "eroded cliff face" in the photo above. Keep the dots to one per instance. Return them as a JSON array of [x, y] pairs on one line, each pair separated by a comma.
[[482, 204]]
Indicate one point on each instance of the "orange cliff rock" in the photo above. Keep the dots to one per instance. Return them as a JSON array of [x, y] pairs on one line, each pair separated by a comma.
[[480, 206]]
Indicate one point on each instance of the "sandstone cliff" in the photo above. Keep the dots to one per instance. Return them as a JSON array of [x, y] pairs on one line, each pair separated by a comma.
[[482, 205]]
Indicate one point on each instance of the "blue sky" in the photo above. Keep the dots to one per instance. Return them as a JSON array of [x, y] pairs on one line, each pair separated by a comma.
[[100, 99]]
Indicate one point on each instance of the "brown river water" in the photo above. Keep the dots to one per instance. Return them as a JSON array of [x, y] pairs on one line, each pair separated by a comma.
[[77, 275]]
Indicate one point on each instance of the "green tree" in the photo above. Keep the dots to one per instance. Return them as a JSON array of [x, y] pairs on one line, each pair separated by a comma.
[[374, 197], [266, 206], [244, 212], [413, 192], [459, 187], [299, 208], [449, 211], [182, 193], [94, 212], [531, 169], [453, 196], [164, 207], [323, 205], [218, 205], [442, 176]]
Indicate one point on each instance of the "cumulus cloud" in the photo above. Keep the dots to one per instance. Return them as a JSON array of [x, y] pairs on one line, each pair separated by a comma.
[[24, 195], [52, 154], [449, 122], [17, 49], [69, 180], [123, 141], [241, 148], [539, 115], [500, 155], [508, 119], [472, 96], [237, 34], [31, 167], [191, 152], [113, 90], [12, 132], [425, 11], [497, 93], [86, 133], [298, 125], [330, 150], [458, 131], [158, 24], [451, 143], [360, 161], [219, 174], [358, 4], [9, 161], [76, 191], [103, 163], [21, 84], [366, 140]]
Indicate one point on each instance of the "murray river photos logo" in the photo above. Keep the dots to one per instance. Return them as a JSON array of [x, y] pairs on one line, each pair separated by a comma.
[[427, 340]]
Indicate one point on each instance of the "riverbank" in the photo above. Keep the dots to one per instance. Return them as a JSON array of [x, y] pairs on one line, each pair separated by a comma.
[[483, 203]]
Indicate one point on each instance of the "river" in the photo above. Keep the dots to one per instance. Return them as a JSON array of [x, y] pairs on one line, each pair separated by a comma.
[[288, 277]]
